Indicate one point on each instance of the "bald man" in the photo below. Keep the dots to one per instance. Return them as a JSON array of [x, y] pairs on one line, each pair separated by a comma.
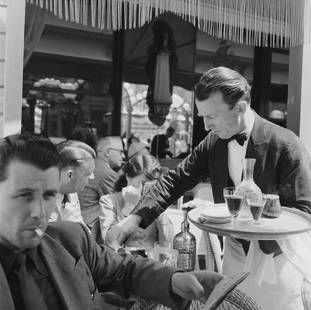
[[110, 156]]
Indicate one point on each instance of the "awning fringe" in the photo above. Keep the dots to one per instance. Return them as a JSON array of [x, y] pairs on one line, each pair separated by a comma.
[[274, 23]]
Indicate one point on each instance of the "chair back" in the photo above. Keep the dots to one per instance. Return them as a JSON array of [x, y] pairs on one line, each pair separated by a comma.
[[237, 300], [306, 294]]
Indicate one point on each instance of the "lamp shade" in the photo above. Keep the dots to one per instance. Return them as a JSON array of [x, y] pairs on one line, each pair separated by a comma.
[[162, 98], [158, 120], [159, 69], [161, 92]]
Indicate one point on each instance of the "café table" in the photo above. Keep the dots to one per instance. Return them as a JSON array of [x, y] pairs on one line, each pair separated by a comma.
[[291, 231]]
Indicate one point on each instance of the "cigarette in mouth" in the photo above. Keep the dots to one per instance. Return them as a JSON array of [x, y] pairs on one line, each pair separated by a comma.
[[39, 232]]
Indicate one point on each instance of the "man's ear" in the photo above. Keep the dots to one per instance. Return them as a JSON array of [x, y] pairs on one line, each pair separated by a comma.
[[69, 173], [241, 106], [104, 154]]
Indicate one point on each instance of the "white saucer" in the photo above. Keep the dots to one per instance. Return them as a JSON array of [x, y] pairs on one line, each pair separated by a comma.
[[218, 211], [216, 220]]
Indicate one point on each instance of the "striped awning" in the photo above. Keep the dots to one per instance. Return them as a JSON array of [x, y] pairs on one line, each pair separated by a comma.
[[274, 23]]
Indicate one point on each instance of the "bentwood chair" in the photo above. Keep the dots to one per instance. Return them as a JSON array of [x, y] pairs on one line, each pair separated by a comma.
[[306, 294]]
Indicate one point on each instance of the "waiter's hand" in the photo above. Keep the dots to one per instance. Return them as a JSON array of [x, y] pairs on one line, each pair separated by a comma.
[[196, 284], [269, 247], [116, 236]]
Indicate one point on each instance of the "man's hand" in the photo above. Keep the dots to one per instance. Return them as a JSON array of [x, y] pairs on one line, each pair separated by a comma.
[[116, 236], [195, 285]]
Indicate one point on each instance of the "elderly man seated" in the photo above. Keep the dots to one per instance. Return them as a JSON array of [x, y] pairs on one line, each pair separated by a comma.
[[110, 156]]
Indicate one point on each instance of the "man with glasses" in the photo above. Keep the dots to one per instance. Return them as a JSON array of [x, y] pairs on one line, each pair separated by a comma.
[[110, 156]]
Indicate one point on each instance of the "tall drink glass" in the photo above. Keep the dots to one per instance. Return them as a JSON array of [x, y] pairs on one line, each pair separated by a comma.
[[234, 202]]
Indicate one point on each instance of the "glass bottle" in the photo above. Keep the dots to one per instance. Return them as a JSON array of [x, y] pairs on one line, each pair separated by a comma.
[[248, 188], [273, 206], [185, 243]]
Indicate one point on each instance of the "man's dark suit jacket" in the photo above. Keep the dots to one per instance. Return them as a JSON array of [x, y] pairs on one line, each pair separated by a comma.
[[282, 166], [104, 183], [79, 268]]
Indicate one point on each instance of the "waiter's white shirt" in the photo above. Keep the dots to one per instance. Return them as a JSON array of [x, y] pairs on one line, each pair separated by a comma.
[[69, 211], [236, 154]]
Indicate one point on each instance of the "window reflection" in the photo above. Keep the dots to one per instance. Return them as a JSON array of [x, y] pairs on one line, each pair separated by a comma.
[[137, 126]]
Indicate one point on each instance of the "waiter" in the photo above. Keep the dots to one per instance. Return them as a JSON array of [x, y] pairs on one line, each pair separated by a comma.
[[236, 132]]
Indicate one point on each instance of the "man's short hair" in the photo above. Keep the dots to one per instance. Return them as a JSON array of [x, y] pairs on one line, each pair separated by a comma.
[[27, 148], [106, 143], [74, 153], [233, 86]]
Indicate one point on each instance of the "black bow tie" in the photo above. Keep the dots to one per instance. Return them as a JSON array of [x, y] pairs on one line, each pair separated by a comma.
[[240, 138]]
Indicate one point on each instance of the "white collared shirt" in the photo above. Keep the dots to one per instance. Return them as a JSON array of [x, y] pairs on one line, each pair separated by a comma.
[[236, 154], [70, 211]]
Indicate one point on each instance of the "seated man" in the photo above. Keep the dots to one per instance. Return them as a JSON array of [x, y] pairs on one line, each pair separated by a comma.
[[57, 265], [77, 165], [110, 156]]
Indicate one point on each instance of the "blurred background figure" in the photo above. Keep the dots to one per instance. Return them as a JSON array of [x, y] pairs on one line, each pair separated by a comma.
[[141, 172], [77, 166], [149, 144], [107, 173], [182, 146], [160, 146], [84, 134], [137, 148], [132, 139]]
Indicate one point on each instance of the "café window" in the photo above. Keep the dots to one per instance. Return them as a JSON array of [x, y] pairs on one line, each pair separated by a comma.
[[53, 106], [277, 105], [136, 124]]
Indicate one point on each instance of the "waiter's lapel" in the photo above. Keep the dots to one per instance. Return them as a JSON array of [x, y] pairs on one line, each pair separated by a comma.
[[6, 301], [257, 145]]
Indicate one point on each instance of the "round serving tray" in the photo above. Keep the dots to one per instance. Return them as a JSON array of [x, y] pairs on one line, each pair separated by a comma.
[[291, 222]]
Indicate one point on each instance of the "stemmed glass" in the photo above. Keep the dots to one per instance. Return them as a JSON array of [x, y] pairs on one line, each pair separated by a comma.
[[256, 205], [234, 202]]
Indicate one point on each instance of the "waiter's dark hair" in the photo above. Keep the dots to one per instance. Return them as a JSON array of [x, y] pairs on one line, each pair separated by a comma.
[[233, 86], [27, 148]]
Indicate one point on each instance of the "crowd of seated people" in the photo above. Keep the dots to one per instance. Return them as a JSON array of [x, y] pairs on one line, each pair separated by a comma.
[[58, 265], [39, 182], [92, 177], [82, 167]]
